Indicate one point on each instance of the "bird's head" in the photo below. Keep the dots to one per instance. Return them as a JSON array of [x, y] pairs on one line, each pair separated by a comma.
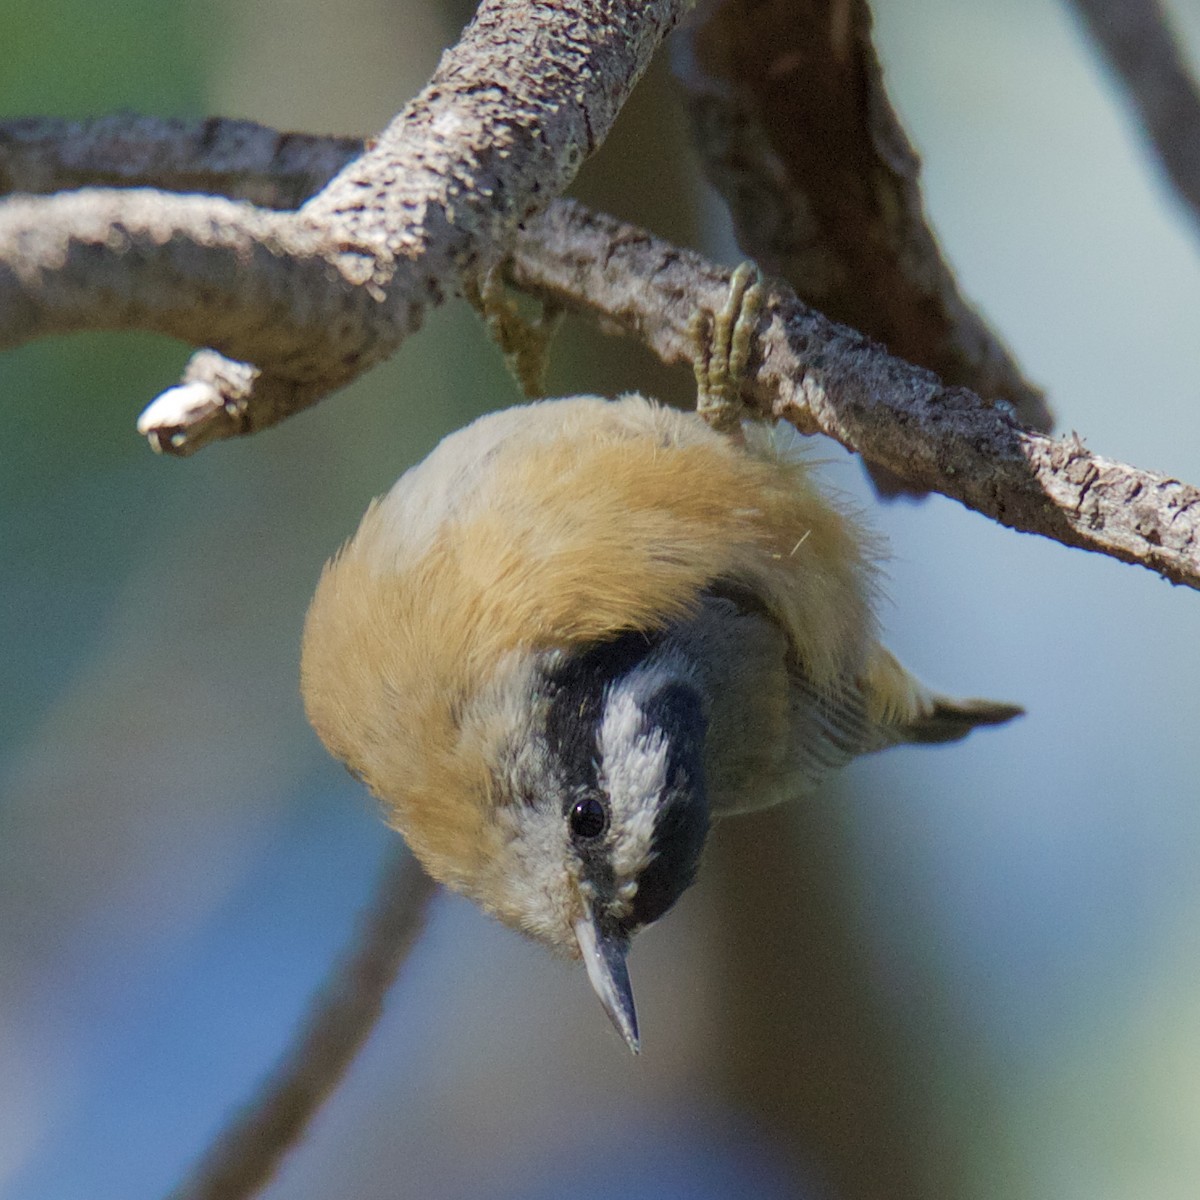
[[603, 813]]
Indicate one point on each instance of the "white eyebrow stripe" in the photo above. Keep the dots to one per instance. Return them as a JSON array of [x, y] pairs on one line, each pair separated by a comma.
[[633, 772]]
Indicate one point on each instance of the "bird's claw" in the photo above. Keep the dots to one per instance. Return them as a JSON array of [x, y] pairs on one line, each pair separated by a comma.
[[722, 344]]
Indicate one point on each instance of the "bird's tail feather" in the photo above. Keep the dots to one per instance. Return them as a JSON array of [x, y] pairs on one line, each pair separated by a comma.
[[902, 709]]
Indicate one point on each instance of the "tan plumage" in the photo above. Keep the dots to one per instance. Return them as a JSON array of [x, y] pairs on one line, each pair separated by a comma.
[[541, 531]]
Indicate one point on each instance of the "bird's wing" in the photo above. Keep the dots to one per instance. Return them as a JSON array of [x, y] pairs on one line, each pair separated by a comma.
[[884, 705], [880, 705]]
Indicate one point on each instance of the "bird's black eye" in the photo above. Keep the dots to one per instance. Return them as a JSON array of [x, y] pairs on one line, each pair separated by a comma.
[[588, 819]]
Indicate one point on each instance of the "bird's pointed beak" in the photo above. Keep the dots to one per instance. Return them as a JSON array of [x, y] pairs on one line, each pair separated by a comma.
[[604, 956]]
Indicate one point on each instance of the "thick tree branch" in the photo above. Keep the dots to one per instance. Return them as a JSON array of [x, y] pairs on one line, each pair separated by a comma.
[[1135, 37], [248, 1152], [796, 131], [510, 114], [195, 267], [826, 378]]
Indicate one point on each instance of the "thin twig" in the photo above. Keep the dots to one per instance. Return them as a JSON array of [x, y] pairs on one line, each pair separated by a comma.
[[826, 378], [1135, 37], [239, 160], [249, 1150]]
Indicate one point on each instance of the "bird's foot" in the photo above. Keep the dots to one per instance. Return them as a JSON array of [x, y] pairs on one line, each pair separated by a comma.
[[723, 341], [524, 341]]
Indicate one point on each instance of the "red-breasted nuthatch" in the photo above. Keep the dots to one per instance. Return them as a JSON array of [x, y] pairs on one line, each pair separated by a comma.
[[582, 629]]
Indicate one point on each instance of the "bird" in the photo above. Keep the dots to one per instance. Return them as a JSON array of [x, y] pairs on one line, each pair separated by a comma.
[[583, 630]]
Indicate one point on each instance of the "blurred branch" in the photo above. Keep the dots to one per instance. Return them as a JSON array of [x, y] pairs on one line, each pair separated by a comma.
[[796, 131], [305, 301], [1136, 38], [239, 160], [247, 1153], [826, 378]]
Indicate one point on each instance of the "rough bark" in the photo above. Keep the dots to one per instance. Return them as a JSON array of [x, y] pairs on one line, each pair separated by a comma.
[[826, 378], [314, 297]]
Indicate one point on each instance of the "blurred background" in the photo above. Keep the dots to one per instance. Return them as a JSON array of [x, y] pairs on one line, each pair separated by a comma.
[[969, 972]]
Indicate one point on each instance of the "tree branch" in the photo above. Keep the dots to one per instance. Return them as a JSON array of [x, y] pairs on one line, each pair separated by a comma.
[[812, 372], [826, 378], [239, 160], [248, 1152], [510, 114], [1136, 39], [796, 131]]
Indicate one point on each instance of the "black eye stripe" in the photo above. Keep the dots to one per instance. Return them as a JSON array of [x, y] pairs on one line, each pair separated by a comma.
[[680, 832], [677, 709]]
